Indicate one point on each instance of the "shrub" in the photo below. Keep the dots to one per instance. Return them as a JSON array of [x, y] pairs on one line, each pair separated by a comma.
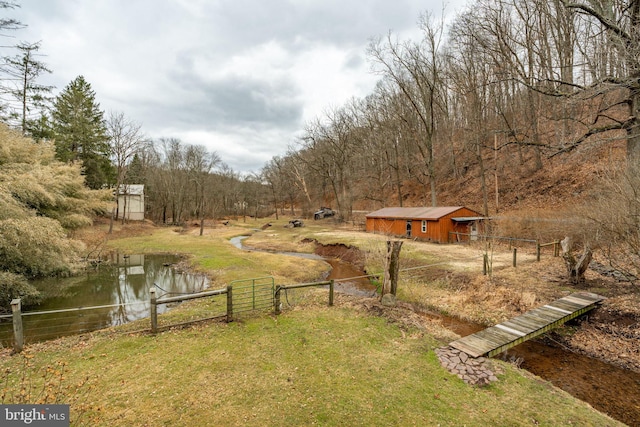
[[16, 286], [37, 247]]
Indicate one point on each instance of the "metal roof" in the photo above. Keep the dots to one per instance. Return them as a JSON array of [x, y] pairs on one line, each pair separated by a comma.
[[131, 189], [468, 218], [432, 213]]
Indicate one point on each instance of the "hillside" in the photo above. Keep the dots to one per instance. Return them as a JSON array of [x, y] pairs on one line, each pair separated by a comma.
[[564, 181]]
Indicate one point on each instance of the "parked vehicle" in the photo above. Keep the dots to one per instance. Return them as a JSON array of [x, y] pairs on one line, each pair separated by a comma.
[[324, 213]]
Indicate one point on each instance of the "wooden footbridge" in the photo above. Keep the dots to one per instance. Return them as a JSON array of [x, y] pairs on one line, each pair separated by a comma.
[[501, 337]]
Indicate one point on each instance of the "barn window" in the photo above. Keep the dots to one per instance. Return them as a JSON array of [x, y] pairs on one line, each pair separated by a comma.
[[424, 225]]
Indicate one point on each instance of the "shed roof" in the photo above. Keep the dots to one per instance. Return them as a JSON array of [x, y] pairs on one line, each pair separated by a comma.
[[131, 189], [432, 213], [469, 218]]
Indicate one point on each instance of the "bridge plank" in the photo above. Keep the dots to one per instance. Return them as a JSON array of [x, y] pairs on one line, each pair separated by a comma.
[[512, 332]]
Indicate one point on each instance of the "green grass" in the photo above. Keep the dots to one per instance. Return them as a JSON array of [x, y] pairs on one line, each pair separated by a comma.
[[312, 365], [214, 255], [318, 365]]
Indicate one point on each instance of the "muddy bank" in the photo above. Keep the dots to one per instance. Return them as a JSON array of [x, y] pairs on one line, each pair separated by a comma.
[[340, 251], [606, 334]]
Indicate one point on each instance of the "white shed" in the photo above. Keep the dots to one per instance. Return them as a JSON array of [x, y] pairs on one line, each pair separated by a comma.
[[131, 202]]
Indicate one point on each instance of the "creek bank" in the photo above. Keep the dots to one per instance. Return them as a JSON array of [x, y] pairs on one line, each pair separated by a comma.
[[346, 253], [610, 333], [605, 381]]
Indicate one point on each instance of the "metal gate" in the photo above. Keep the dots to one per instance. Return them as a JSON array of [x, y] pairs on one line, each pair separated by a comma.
[[255, 294]]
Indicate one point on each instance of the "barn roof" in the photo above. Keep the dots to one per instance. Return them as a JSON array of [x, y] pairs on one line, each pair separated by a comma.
[[432, 213]]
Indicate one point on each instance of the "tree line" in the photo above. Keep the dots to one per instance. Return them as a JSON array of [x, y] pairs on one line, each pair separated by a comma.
[[499, 90], [502, 88], [183, 181], [63, 161]]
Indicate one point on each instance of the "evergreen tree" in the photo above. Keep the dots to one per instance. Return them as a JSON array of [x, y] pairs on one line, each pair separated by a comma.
[[29, 96], [80, 132], [41, 128]]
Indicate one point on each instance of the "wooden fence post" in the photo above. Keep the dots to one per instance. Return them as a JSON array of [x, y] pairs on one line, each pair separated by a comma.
[[538, 251], [277, 299], [485, 263], [331, 293], [515, 252], [392, 268], [229, 303], [153, 309], [18, 335]]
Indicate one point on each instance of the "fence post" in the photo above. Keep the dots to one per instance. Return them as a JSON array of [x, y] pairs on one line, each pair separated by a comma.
[[484, 264], [515, 252], [538, 250], [18, 335], [253, 293], [153, 309], [556, 248], [229, 303], [331, 292], [277, 299]]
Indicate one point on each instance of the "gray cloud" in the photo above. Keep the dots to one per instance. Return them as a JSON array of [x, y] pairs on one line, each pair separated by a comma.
[[239, 76]]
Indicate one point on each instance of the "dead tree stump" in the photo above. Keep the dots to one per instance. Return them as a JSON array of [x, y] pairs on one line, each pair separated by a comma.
[[575, 267]]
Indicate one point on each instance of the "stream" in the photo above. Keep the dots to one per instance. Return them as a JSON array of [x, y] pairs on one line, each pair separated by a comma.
[[609, 389]]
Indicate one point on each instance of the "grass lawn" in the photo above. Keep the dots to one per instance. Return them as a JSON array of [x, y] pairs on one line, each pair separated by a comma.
[[312, 365], [331, 366]]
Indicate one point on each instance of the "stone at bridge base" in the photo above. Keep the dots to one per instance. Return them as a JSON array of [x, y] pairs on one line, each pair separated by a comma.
[[473, 371]]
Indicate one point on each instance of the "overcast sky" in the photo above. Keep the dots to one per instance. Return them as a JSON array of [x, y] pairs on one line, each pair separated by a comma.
[[241, 77]]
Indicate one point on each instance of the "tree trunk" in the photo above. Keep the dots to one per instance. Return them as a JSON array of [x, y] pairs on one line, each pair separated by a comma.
[[202, 215], [575, 267], [483, 181], [124, 207], [113, 214], [633, 132]]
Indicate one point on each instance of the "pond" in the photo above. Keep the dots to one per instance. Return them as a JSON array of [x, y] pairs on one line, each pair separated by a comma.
[[120, 287]]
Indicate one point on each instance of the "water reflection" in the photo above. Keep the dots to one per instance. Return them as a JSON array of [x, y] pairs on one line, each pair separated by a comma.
[[120, 288]]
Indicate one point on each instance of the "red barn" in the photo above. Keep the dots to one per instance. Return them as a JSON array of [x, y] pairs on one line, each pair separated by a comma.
[[432, 224]]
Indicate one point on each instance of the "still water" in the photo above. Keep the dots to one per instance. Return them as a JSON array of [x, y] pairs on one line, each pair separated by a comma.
[[120, 287]]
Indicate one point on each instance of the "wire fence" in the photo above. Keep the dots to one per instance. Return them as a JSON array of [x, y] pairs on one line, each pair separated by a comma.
[[253, 295], [51, 324]]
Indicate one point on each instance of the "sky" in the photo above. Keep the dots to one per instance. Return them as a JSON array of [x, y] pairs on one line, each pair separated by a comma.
[[241, 77]]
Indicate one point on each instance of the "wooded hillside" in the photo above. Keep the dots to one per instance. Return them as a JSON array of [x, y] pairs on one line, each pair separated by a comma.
[[534, 98]]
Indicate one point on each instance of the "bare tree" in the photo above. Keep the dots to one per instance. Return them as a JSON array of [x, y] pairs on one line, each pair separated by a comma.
[[334, 147], [416, 70], [199, 163], [620, 21], [125, 139]]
